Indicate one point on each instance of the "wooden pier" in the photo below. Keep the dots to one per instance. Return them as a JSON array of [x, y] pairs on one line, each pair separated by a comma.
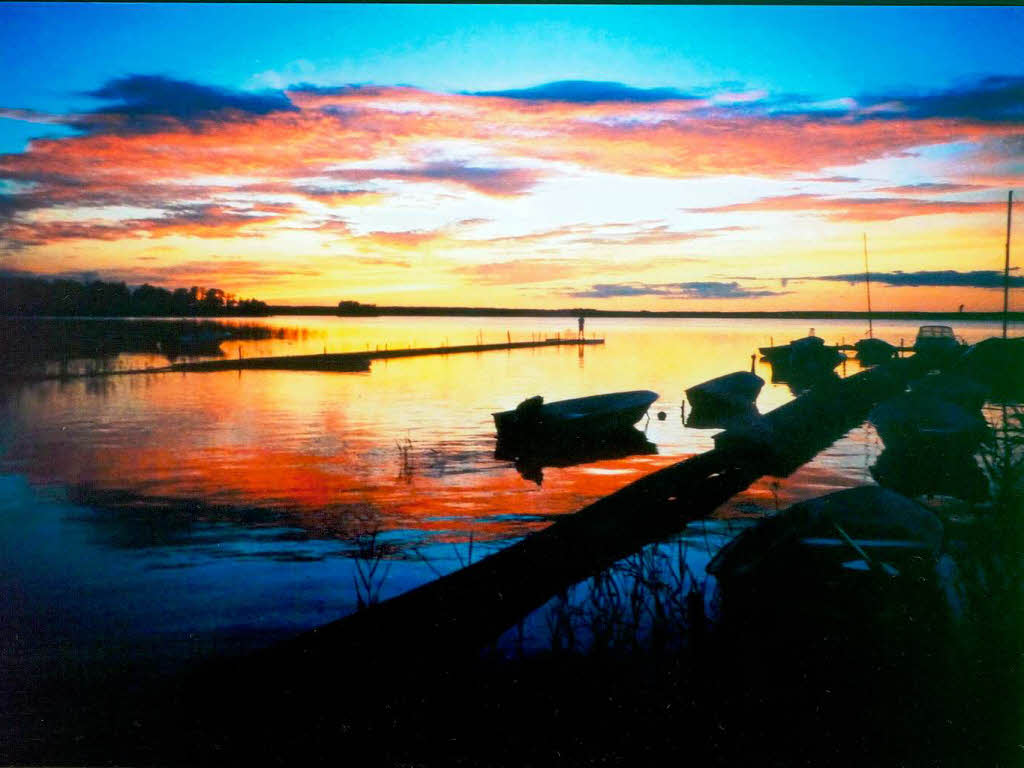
[[360, 361], [335, 362]]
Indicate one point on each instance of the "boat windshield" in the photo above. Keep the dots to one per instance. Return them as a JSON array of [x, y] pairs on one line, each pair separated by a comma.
[[935, 331]]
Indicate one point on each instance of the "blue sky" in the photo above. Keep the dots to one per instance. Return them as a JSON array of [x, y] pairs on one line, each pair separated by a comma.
[[51, 50]]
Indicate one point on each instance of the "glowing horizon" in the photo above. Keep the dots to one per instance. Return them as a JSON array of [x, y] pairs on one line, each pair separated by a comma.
[[647, 171]]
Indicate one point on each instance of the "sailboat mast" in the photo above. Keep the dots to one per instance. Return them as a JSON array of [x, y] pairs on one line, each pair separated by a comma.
[[867, 282], [1006, 268]]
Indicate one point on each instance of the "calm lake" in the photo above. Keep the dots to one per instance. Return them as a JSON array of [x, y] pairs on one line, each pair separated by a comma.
[[162, 517]]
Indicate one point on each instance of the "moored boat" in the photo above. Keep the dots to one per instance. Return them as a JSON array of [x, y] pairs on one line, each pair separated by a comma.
[[591, 415], [936, 342], [998, 364], [873, 351], [909, 421], [834, 560], [810, 352], [963, 391], [736, 391]]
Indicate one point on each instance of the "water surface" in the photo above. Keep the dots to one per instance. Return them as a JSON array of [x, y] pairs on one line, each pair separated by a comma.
[[177, 513]]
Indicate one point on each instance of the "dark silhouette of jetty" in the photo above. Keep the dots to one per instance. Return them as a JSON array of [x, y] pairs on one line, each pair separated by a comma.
[[360, 361], [338, 362]]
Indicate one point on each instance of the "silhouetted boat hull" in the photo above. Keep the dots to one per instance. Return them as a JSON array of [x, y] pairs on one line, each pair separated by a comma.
[[930, 469], [807, 354], [589, 416], [999, 364], [731, 392], [842, 560], [953, 388], [910, 421], [873, 351]]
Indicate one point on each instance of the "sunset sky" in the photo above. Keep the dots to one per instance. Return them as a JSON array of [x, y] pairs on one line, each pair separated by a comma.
[[615, 157]]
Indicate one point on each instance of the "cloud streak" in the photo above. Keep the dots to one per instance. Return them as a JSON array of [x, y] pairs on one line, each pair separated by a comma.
[[489, 181], [856, 209], [690, 290], [991, 99], [590, 92], [982, 278]]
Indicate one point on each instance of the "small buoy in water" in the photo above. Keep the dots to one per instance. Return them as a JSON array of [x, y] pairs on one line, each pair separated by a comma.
[[661, 415]]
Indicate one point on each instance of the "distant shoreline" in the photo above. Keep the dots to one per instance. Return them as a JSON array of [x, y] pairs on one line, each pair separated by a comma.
[[381, 311]]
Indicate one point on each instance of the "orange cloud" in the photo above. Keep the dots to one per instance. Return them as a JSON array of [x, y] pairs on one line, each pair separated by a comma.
[[261, 166]]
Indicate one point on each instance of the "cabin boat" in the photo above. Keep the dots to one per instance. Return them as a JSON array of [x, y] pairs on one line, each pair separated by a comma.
[[587, 416], [936, 341]]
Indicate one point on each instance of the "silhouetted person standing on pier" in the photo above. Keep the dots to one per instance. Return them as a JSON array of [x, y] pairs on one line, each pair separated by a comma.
[[581, 321]]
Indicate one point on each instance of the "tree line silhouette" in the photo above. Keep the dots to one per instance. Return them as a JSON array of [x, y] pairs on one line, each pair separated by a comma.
[[95, 298]]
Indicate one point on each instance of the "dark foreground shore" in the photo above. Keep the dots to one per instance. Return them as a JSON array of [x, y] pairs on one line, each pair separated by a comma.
[[808, 701]]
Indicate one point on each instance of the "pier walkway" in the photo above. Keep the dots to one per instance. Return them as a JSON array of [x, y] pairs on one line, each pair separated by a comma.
[[334, 362], [360, 361]]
